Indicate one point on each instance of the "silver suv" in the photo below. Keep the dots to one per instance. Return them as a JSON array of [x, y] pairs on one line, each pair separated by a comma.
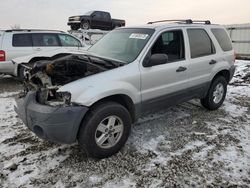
[[94, 97], [21, 42]]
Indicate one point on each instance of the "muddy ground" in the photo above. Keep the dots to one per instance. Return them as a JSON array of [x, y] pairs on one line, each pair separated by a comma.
[[183, 146]]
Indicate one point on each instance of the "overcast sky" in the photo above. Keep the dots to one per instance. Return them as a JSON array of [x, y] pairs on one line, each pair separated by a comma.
[[53, 14]]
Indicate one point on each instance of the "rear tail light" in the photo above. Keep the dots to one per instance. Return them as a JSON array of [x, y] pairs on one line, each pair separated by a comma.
[[2, 55]]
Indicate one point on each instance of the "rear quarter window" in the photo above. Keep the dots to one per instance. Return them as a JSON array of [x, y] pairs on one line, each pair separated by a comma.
[[21, 40], [200, 43], [222, 38]]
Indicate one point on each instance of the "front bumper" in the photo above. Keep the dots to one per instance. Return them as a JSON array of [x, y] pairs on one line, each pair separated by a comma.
[[232, 71], [56, 124], [74, 22]]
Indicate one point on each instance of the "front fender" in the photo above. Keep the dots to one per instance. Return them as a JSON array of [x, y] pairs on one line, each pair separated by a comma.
[[94, 94]]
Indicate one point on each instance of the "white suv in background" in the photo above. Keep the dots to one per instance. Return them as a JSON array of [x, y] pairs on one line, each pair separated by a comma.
[[18, 43]]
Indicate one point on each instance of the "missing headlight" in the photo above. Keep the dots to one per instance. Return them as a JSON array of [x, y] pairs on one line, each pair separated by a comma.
[[65, 96], [53, 98]]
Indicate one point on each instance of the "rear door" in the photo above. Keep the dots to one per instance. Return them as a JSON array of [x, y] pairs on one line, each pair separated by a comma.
[[45, 42], [164, 85], [202, 58], [106, 19]]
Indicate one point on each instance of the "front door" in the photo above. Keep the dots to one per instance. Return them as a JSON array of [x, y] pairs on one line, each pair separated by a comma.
[[165, 84]]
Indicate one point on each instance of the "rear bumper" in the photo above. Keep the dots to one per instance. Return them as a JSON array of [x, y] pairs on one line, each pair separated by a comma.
[[7, 67], [232, 71], [56, 124]]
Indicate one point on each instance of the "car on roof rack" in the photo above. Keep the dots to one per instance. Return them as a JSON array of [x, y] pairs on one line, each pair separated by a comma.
[[21, 42], [93, 97]]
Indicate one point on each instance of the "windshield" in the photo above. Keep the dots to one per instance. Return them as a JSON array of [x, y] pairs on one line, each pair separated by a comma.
[[122, 44]]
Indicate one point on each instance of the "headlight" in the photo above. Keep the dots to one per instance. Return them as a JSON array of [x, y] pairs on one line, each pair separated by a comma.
[[77, 18]]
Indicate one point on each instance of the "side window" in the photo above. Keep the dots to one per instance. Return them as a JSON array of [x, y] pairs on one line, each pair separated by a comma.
[[105, 16], [223, 39], [97, 15], [170, 43], [45, 39], [67, 40], [200, 43], [21, 40]]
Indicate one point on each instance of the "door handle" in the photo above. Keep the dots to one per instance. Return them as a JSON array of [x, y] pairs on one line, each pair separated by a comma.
[[38, 49], [181, 69], [212, 62]]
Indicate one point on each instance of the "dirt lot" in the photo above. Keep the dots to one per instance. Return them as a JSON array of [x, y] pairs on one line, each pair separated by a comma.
[[184, 146]]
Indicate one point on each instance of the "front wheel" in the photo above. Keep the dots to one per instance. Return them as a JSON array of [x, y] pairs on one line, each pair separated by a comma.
[[75, 27], [85, 25], [105, 130], [216, 94]]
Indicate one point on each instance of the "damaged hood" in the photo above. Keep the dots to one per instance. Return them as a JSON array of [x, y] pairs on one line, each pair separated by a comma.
[[51, 77], [58, 72]]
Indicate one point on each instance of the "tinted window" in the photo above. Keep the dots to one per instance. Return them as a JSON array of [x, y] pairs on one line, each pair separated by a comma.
[[22, 40], [223, 39], [105, 16], [45, 39], [67, 40], [97, 14], [200, 43], [170, 43]]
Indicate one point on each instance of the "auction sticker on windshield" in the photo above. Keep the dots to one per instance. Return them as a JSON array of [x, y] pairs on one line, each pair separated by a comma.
[[138, 36]]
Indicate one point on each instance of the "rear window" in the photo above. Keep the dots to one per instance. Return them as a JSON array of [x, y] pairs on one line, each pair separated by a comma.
[[45, 39], [223, 39], [21, 40], [200, 43]]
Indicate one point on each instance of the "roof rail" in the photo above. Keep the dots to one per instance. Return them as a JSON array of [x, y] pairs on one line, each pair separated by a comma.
[[207, 22], [29, 30], [188, 21]]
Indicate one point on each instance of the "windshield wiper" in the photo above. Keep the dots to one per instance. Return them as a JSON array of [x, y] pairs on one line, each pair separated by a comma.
[[102, 61]]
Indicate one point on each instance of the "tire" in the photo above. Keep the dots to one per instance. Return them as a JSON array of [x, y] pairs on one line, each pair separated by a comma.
[[110, 142], [75, 27], [216, 94], [20, 73], [85, 25]]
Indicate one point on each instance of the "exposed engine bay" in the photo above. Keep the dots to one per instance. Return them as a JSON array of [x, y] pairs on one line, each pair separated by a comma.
[[47, 76]]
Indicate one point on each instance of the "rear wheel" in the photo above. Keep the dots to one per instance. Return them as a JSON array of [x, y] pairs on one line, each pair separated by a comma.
[[105, 130], [216, 94]]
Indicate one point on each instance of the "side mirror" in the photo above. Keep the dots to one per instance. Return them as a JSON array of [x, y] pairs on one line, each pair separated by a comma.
[[156, 59]]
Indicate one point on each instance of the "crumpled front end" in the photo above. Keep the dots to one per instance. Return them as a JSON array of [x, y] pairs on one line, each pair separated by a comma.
[[53, 123], [46, 110]]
